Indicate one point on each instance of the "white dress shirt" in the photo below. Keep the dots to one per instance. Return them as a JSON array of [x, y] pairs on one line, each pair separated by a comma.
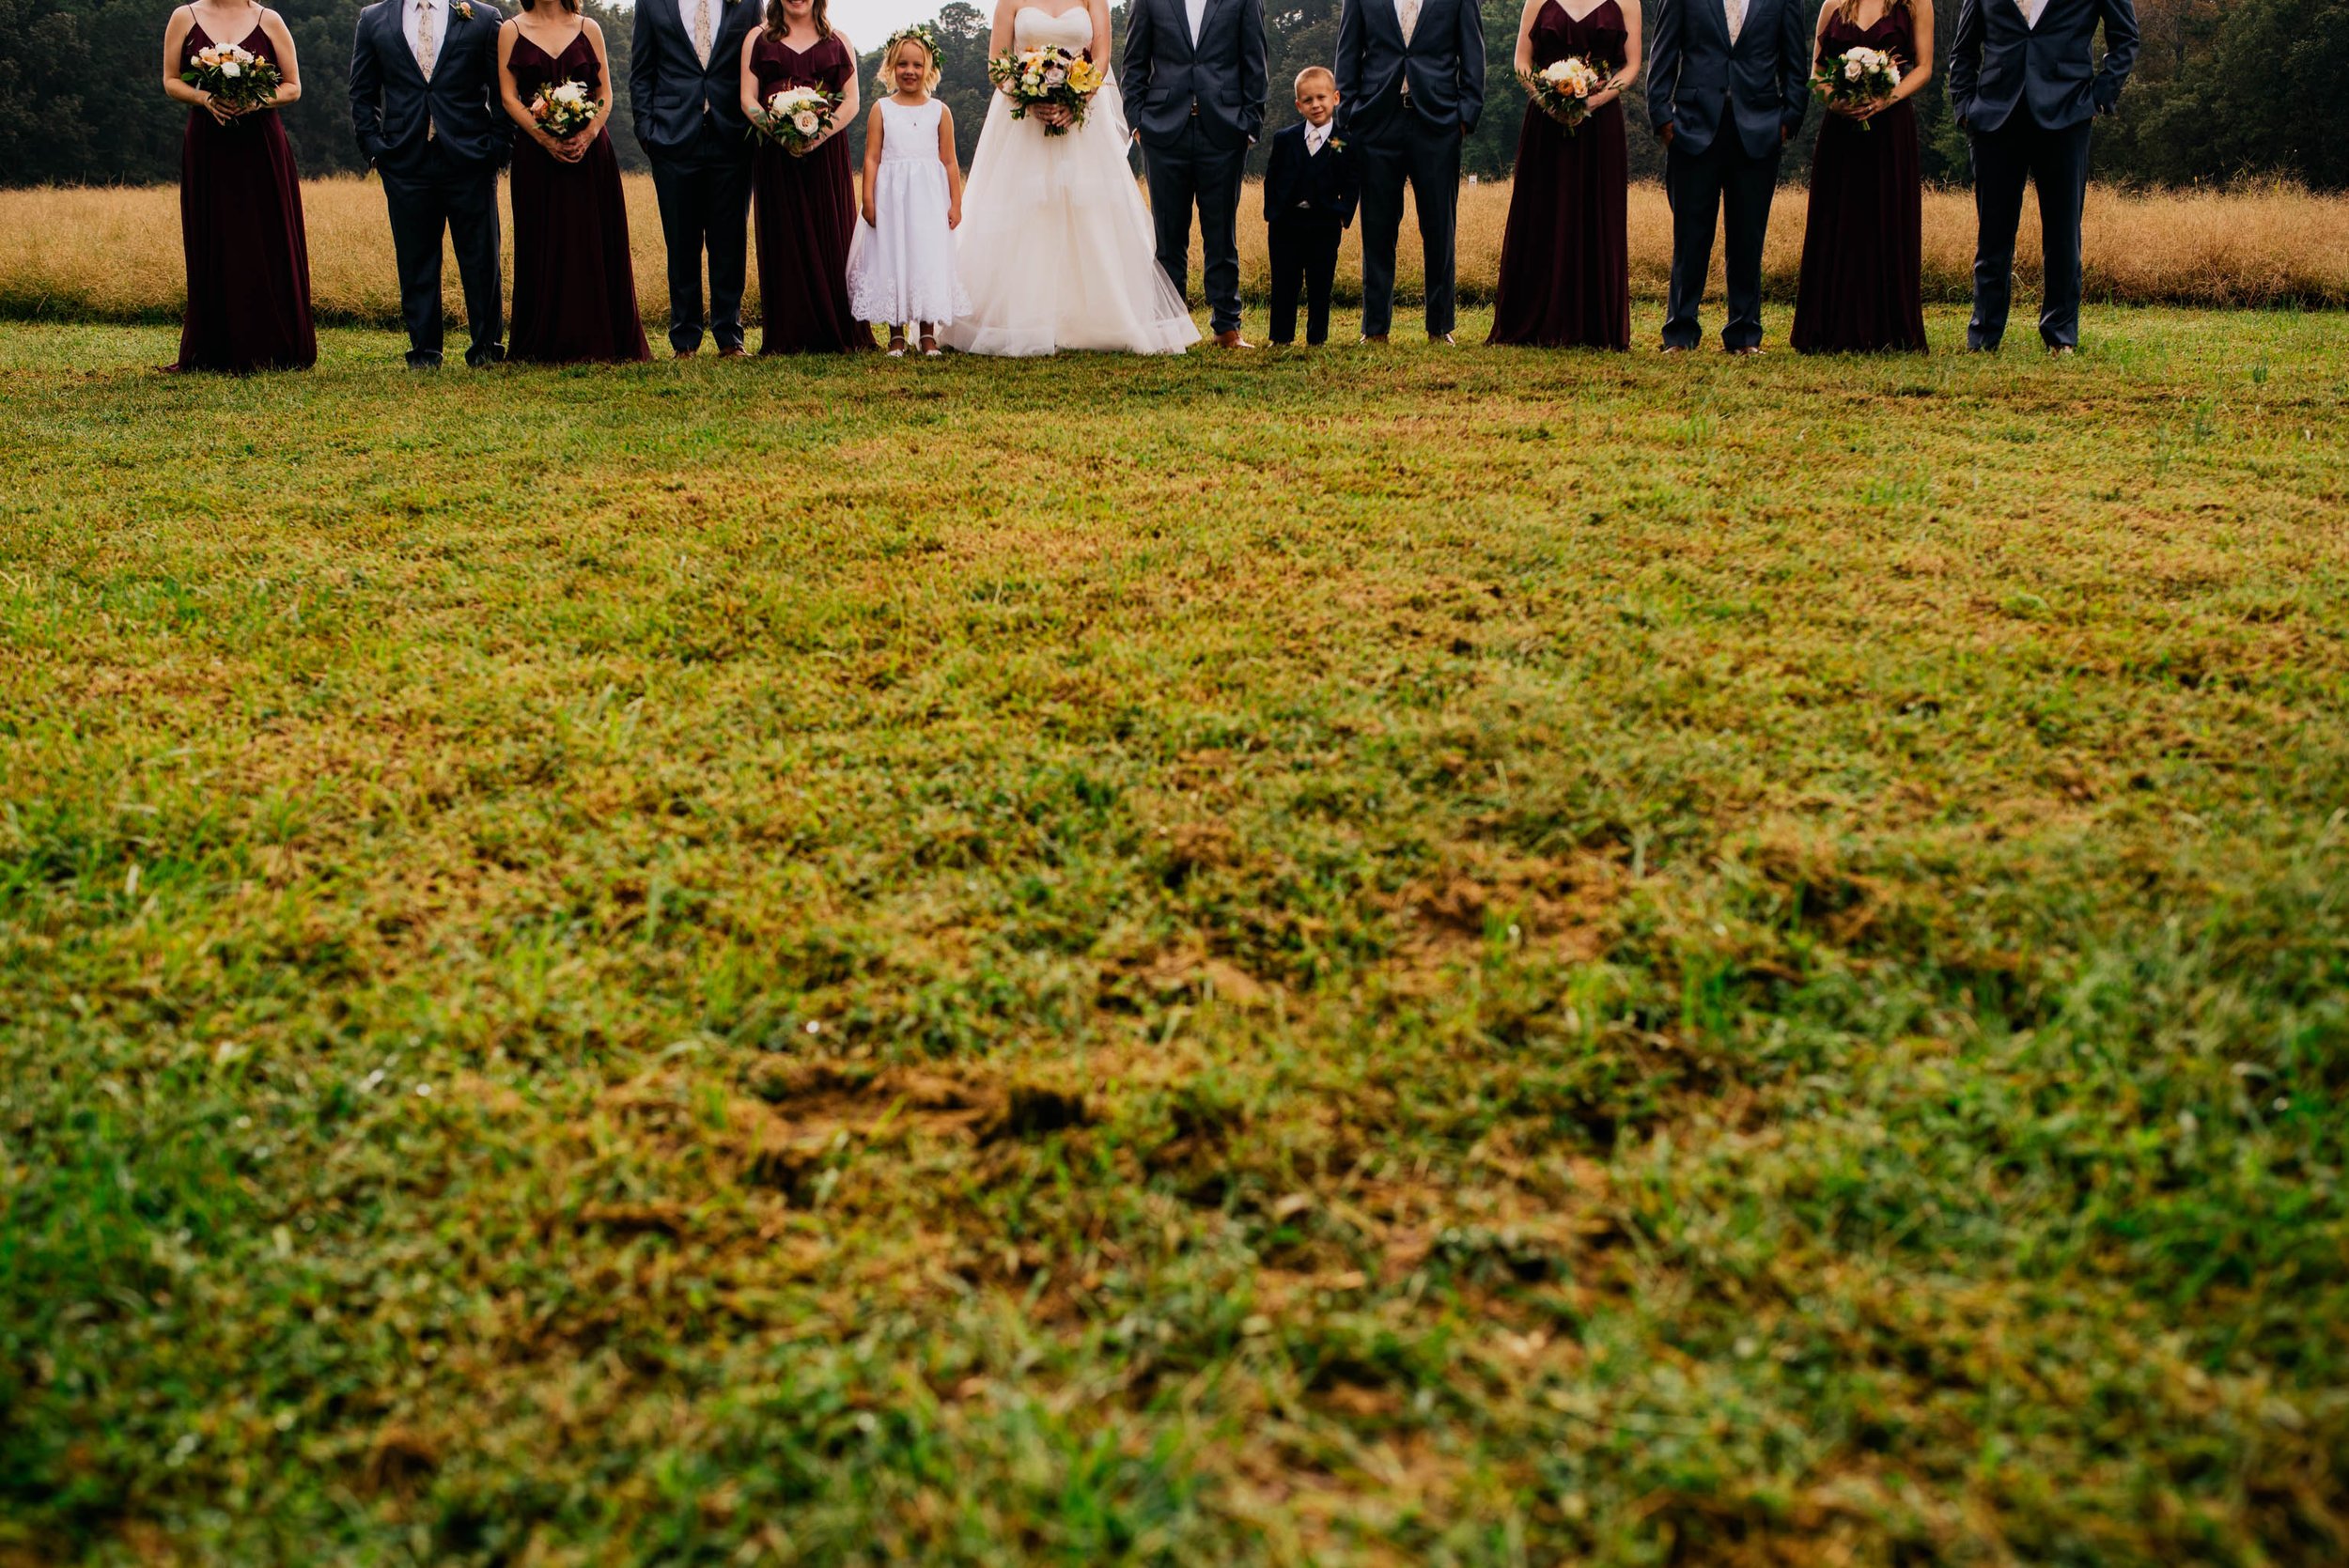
[[1197, 11], [2032, 10], [412, 14], [1316, 136]]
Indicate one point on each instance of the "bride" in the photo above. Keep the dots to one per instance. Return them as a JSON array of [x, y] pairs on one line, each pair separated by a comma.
[[1055, 247]]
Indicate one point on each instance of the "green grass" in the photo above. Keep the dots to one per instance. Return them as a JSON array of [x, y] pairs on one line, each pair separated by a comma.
[[1464, 958]]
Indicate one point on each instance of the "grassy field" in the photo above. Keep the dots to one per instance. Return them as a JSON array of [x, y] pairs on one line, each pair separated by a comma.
[[114, 254], [1461, 957]]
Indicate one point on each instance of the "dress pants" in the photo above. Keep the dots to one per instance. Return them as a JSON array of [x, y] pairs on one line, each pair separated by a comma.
[[704, 190], [1405, 147], [1305, 248], [460, 199], [1192, 170], [2057, 162], [1724, 183]]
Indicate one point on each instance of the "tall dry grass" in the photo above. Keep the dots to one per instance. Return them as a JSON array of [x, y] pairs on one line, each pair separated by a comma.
[[114, 254]]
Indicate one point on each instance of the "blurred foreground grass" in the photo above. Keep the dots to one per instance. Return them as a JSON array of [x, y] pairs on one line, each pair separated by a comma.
[[1412, 957]]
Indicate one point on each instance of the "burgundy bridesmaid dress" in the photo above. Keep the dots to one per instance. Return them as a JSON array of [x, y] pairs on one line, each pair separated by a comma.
[[807, 215], [574, 283], [241, 220], [1566, 273], [1860, 289]]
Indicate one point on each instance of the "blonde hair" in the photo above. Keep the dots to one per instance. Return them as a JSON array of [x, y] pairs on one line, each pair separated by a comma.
[[898, 46], [1848, 10], [1315, 73]]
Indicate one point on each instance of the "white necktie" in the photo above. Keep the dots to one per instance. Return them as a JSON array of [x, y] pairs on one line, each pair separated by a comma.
[[427, 50], [1407, 15], [701, 31], [1736, 18], [2031, 10]]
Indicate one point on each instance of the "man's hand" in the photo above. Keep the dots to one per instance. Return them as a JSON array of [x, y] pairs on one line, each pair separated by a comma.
[[1665, 135]]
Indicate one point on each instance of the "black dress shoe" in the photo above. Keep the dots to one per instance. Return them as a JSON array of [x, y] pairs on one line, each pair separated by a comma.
[[424, 362], [493, 353]]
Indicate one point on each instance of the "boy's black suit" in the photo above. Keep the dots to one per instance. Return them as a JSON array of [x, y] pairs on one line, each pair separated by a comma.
[[1309, 198]]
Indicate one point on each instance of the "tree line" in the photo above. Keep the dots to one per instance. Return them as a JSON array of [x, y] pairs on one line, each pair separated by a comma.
[[2224, 90]]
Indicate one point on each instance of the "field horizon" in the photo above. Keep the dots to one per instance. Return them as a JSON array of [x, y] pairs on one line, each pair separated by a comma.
[[113, 254], [1340, 958]]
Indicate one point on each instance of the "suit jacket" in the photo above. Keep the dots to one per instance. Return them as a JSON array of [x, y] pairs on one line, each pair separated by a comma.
[[1999, 63], [1301, 184], [1444, 64], [1223, 74], [393, 107], [667, 86], [1701, 84]]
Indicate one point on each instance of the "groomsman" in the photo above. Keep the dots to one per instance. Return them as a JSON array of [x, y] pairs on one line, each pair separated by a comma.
[[685, 97], [1728, 82], [2024, 86], [1194, 87], [1411, 87], [426, 107]]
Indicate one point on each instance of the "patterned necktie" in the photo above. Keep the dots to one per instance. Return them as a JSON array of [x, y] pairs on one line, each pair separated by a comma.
[[1407, 15], [427, 49], [701, 31], [1736, 18]]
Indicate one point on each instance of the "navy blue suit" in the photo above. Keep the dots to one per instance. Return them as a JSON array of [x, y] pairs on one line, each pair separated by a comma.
[[2024, 96], [438, 145], [1309, 198], [1408, 106], [689, 118], [1729, 107], [1197, 107]]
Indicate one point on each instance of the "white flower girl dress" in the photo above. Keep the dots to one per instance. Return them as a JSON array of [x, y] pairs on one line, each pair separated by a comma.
[[901, 269]]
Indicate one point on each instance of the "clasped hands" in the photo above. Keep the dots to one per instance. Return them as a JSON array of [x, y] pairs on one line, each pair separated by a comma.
[[571, 149]]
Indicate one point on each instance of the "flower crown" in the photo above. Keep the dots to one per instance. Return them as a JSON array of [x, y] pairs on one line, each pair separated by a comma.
[[921, 33]]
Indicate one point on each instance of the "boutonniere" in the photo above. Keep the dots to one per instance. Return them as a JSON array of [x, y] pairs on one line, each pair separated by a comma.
[[1336, 144], [464, 9]]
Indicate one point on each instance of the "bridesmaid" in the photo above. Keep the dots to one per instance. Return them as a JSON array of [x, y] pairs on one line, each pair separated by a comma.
[[240, 204], [1566, 273], [1863, 242], [806, 205], [574, 285]]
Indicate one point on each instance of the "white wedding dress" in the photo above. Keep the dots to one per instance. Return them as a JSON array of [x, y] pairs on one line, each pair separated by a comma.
[[1055, 248]]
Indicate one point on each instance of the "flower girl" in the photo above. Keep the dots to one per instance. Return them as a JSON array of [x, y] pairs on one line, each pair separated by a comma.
[[903, 266]]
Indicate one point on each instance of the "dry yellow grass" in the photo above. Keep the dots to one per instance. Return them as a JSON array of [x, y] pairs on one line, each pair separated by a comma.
[[114, 254]]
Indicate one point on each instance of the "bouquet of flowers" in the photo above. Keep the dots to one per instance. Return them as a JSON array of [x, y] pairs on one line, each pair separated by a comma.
[[1858, 75], [797, 116], [1050, 74], [1563, 88], [563, 109], [237, 77]]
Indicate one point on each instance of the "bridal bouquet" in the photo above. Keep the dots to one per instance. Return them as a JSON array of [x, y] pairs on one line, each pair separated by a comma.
[[237, 77], [1858, 75], [563, 109], [1049, 74], [1563, 88], [797, 116]]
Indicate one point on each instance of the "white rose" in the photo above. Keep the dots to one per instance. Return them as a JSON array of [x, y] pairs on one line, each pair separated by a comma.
[[1852, 69], [232, 69], [806, 121]]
